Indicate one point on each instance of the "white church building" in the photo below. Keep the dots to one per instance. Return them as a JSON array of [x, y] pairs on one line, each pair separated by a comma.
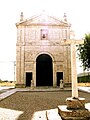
[[41, 54]]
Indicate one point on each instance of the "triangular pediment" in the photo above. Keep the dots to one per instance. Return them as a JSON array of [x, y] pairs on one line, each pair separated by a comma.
[[41, 19]]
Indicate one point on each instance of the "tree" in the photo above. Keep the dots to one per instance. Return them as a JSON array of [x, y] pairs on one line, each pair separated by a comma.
[[84, 52], [0, 81]]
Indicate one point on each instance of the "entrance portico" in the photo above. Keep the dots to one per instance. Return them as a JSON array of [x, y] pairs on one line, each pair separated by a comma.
[[44, 70]]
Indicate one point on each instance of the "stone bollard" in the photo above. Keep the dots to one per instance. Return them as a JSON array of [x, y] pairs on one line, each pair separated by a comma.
[[61, 84], [32, 84]]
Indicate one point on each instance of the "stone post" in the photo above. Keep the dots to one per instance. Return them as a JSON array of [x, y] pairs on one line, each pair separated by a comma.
[[74, 71], [32, 84], [61, 84]]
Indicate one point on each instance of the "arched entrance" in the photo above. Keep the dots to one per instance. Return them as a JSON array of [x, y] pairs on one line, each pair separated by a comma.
[[44, 70]]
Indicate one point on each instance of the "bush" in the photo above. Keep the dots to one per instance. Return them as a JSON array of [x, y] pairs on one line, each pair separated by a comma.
[[1, 81], [84, 79]]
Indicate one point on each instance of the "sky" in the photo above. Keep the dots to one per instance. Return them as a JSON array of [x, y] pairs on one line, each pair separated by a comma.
[[78, 14]]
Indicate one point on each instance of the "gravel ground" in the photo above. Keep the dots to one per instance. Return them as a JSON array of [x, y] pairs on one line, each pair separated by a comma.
[[29, 102]]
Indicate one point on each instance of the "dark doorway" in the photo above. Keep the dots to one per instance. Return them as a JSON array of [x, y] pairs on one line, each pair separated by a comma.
[[28, 79], [44, 70], [59, 77]]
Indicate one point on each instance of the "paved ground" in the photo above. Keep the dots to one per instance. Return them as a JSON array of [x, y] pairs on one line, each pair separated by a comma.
[[85, 89], [22, 105]]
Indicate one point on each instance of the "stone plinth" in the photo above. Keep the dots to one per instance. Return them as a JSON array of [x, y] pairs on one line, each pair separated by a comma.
[[79, 114], [20, 85], [74, 110], [76, 103]]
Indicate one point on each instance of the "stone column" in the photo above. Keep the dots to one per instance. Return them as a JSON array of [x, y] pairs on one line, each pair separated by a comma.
[[34, 74], [54, 74], [18, 65], [22, 67], [74, 71]]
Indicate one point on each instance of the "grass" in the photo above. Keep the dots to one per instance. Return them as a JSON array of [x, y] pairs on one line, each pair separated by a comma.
[[7, 84], [84, 84]]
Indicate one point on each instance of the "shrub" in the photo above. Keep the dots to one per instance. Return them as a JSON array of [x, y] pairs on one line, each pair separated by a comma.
[[84, 79]]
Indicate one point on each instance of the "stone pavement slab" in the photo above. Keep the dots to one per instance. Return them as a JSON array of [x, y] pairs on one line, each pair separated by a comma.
[[39, 115], [8, 114], [7, 93], [85, 89], [46, 89], [51, 114]]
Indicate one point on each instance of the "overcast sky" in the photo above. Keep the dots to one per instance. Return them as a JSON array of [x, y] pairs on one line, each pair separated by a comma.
[[78, 14]]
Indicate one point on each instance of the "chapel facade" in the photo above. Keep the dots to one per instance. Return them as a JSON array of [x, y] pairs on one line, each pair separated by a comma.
[[41, 54]]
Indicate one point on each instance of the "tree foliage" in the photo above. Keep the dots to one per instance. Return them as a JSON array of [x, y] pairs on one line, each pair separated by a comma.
[[84, 52]]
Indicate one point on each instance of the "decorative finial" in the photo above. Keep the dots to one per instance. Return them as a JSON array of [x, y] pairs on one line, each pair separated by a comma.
[[65, 17], [21, 16]]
